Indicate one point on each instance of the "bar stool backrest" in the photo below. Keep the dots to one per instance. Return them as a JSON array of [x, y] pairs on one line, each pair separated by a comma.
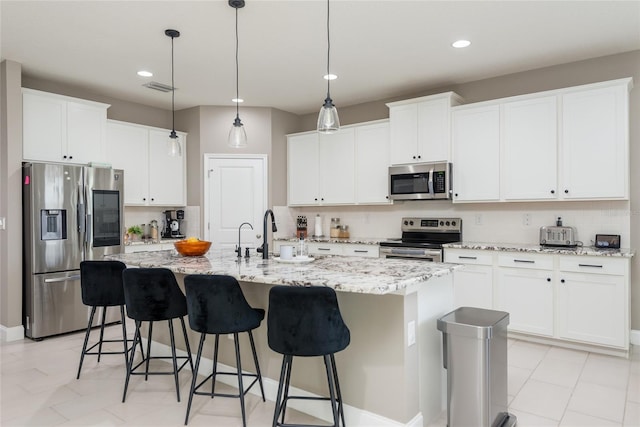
[[216, 305], [101, 283], [305, 321], [153, 294]]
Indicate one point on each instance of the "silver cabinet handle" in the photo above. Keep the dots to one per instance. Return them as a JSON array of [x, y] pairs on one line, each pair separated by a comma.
[[467, 257], [63, 279], [590, 265], [324, 249], [526, 261], [361, 251]]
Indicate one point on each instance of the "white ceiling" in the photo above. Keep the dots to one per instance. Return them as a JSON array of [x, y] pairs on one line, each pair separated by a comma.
[[379, 49]]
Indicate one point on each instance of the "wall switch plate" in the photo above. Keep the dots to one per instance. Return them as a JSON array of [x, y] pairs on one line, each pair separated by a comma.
[[478, 219], [411, 333], [3, 223], [526, 219]]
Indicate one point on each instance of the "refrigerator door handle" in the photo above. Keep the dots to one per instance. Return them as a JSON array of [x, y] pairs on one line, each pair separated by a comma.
[[88, 235], [62, 279]]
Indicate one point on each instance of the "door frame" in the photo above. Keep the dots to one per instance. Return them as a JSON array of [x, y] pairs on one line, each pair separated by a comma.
[[206, 176]]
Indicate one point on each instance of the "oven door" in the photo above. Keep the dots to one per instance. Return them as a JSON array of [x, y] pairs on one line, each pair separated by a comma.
[[433, 255]]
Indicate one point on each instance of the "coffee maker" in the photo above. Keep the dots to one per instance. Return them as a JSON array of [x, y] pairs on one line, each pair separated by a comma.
[[173, 224]]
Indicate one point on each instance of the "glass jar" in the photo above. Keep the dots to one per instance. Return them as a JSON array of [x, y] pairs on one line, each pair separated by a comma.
[[334, 231]]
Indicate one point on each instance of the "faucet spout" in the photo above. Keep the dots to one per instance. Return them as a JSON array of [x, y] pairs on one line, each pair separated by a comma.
[[238, 248], [265, 245]]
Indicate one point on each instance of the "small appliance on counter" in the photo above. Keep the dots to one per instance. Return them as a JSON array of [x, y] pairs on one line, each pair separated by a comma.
[[607, 241], [301, 227], [558, 235], [173, 224]]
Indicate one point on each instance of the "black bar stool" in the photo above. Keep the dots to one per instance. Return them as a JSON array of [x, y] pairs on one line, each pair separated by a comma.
[[306, 321], [101, 284], [217, 306], [152, 294]]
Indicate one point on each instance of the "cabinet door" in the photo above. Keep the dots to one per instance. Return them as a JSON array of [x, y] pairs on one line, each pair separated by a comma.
[[372, 163], [167, 180], [527, 295], [403, 121], [530, 146], [86, 133], [592, 308], [129, 150], [595, 144], [476, 154], [337, 167], [316, 248], [44, 128], [433, 130], [302, 169], [473, 286]]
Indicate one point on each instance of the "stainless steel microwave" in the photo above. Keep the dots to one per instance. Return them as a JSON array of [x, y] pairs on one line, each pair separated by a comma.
[[420, 181]]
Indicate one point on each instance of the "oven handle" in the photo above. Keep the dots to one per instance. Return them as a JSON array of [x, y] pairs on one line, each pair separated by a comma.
[[403, 251]]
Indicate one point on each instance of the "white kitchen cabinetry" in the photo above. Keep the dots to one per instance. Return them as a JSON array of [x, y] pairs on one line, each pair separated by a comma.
[[319, 248], [530, 149], [473, 284], [346, 249], [152, 177], [525, 291], [595, 143], [344, 168], [476, 153], [592, 300], [420, 128], [59, 128]]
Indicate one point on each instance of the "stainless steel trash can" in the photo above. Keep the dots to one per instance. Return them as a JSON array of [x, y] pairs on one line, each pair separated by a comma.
[[475, 357]]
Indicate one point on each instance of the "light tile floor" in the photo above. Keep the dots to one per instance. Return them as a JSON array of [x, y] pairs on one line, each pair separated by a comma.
[[548, 386]]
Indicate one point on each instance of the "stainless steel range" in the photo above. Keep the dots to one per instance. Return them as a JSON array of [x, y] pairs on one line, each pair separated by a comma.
[[422, 238]]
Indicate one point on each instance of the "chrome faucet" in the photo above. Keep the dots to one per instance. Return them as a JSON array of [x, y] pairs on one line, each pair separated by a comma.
[[238, 248], [265, 246]]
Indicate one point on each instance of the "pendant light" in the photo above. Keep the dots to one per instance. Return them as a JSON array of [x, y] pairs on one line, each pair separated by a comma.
[[237, 135], [328, 121], [174, 143]]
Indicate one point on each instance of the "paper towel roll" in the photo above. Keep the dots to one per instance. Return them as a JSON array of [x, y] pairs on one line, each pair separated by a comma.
[[318, 226]]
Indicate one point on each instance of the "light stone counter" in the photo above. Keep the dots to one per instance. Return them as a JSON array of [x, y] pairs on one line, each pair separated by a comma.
[[520, 247], [349, 274]]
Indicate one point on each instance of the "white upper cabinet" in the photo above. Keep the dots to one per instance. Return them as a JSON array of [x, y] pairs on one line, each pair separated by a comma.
[[152, 177], [595, 143], [343, 168], [59, 128], [476, 153], [420, 128], [530, 149]]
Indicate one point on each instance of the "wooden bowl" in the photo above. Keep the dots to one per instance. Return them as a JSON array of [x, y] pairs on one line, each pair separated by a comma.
[[192, 248]]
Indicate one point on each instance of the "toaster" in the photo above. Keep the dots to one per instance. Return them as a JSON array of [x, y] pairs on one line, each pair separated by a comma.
[[558, 236]]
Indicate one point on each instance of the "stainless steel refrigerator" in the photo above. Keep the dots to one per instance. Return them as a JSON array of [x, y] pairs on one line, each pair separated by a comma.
[[71, 213]]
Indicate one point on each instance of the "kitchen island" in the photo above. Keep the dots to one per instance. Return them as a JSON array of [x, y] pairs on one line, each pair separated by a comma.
[[391, 373]]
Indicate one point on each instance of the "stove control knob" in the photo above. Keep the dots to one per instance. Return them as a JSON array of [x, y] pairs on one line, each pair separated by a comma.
[[447, 223], [441, 223], [406, 223], [453, 223], [410, 222]]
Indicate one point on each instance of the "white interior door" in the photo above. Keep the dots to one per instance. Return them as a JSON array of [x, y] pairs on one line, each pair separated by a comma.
[[235, 192]]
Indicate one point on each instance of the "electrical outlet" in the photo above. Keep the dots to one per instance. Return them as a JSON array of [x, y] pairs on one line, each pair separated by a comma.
[[478, 219], [3, 223], [411, 333], [526, 219]]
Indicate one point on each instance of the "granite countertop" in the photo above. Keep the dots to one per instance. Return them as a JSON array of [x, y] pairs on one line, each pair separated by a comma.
[[327, 239], [520, 247], [348, 274]]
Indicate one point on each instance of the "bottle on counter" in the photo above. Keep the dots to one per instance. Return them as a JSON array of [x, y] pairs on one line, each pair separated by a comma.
[[154, 230], [334, 231], [302, 247]]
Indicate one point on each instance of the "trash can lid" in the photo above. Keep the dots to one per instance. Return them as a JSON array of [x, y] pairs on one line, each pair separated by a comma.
[[473, 322]]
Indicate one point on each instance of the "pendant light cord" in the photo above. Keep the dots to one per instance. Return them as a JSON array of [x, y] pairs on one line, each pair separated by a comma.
[[173, 94], [328, 51], [237, 78]]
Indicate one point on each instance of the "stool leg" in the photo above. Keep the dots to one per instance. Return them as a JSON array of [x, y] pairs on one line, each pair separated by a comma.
[[186, 343], [255, 359], [278, 403], [338, 393], [136, 338], [215, 366], [146, 368], [124, 335], [104, 318], [195, 377], [240, 386], [86, 340], [332, 395], [286, 386], [173, 357]]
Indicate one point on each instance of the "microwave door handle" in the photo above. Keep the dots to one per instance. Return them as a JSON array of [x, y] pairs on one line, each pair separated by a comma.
[[431, 192]]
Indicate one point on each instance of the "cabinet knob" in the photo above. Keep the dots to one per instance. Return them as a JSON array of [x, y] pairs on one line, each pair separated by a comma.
[[152, 199], [553, 191], [419, 157], [322, 199], [70, 157], [64, 157], [548, 279], [414, 157], [387, 197], [144, 199], [316, 199], [561, 280], [455, 194], [566, 191]]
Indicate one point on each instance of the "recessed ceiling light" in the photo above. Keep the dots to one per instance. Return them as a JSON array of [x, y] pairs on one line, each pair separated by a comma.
[[329, 77], [143, 73], [238, 100], [461, 43]]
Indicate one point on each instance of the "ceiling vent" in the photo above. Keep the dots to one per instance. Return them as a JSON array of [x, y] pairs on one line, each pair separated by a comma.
[[158, 86]]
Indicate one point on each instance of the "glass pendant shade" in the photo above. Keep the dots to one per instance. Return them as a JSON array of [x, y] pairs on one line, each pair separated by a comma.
[[174, 145], [328, 121], [237, 135]]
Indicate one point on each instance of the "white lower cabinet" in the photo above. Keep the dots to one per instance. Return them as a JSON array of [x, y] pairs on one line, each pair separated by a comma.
[[346, 249], [580, 300]]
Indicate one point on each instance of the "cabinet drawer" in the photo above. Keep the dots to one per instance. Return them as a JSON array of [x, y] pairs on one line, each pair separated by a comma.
[[325, 249], [368, 251], [525, 260], [468, 257], [597, 265]]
